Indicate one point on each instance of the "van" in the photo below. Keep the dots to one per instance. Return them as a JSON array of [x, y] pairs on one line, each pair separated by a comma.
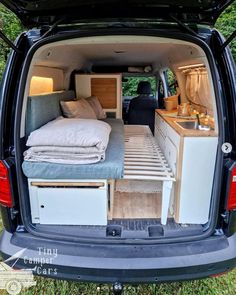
[[101, 185]]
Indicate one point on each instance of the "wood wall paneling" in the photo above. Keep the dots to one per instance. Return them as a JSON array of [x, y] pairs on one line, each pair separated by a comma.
[[106, 91]]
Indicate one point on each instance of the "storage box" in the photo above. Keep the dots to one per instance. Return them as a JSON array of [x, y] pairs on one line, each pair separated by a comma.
[[68, 202]]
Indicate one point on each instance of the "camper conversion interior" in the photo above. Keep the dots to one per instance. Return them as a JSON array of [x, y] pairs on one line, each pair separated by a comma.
[[98, 162]]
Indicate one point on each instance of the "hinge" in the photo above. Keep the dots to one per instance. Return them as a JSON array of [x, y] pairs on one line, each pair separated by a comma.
[[12, 150], [13, 212], [225, 217]]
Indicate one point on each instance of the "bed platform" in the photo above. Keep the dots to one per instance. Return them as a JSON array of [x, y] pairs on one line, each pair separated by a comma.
[[111, 168], [143, 161], [84, 194]]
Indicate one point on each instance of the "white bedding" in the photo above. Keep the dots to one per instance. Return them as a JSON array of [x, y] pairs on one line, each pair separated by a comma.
[[69, 141]]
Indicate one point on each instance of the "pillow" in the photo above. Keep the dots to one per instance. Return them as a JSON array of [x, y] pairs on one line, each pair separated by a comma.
[[95, 104], [78, 109]]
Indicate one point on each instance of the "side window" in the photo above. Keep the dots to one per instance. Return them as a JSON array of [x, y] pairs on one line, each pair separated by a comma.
[[129, 90], [171, 82], [161, 94], [130, 85]]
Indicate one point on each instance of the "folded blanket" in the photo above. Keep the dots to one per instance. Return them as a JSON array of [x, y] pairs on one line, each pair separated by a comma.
[[69, 141]]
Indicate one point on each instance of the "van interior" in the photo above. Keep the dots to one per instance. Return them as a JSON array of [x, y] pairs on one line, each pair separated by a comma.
[[141, 183]]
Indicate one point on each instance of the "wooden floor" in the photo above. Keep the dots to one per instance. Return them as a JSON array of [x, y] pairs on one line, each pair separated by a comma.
[[137, 205]]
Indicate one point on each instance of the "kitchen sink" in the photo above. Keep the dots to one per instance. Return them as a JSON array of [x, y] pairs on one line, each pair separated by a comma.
[[192, 125], [188, 124]]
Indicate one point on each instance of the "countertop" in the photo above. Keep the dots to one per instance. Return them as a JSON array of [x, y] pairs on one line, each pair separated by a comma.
[[166, 115]]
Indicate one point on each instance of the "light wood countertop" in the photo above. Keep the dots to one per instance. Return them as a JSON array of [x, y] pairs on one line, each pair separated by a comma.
[[166, 115]]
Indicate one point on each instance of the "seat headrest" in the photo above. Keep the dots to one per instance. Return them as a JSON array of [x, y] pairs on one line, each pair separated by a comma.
[[144, 87]]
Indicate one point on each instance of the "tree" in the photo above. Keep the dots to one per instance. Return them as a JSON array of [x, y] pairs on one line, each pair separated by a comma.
[[129, 88], [11, 27], [226, 24]]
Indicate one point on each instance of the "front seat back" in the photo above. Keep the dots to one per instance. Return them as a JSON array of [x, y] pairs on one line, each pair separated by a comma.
[[142, 108]]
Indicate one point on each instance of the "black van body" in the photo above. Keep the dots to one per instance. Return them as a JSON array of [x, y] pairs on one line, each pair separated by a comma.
[[119, 260]]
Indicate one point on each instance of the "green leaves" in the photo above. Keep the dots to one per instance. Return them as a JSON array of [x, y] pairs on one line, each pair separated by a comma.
[[226, 24], [11, 27], [129, 88]]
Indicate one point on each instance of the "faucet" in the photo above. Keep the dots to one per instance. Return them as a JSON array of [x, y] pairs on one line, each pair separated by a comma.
[[198, 120], [201, 127]]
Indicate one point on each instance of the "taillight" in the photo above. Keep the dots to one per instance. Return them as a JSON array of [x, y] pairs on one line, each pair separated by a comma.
[[231, 204], [5, 189]]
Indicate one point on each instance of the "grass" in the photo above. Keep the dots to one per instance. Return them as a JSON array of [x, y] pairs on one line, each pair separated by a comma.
[[224, 285]]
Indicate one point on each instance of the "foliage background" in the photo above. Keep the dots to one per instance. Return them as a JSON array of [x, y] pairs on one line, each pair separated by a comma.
[[226, 24], [10, 26]]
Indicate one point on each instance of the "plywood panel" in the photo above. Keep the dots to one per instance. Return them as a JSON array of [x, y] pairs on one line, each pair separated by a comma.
[[137, 205], [106, 91]]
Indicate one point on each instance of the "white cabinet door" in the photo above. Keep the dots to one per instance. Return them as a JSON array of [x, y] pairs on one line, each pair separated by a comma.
[[199, 156], [70, 206]]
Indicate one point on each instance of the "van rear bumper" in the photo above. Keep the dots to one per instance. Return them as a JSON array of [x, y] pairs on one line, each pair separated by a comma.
[[121, 263]]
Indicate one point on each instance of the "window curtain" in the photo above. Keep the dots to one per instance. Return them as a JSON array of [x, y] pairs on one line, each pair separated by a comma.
[[198, 88]]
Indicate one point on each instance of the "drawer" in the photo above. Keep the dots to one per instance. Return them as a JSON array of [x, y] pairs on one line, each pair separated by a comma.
[[161, 124], [163, 127], [171, 154], [160, 139], [69, 205], [175, 137]]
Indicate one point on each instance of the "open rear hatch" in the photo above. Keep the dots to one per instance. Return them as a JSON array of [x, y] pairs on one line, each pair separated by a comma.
[[38, 13]]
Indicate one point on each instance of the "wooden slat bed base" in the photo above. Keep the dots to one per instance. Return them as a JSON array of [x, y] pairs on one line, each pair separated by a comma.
[[146, 168], [143, 157]]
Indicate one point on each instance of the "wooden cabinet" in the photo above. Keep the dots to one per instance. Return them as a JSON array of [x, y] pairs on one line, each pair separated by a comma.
[[192, 160], [107, 88]]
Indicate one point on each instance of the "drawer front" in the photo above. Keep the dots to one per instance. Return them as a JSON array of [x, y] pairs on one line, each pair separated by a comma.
[[68, 202], [175, 137], [161, 125], [72, 206], [160, 139], [171, 154]]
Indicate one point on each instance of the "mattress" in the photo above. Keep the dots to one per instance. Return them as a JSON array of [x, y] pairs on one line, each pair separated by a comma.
[[111, 168]]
